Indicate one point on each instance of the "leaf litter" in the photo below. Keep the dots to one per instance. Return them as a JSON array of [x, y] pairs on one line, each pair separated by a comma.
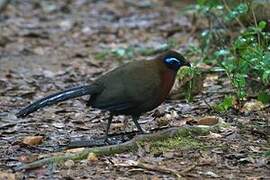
[[49, 46]]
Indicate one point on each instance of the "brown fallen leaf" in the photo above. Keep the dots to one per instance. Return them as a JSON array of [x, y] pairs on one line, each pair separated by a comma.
[[116, 126], [211, 174], [212, 135], [33, 140], [207, 120], [155, 178], [92, 157], [75, 150], [7, 176], [166, 119], [69, 163], [28, 159], [253, 105], [163, 121]]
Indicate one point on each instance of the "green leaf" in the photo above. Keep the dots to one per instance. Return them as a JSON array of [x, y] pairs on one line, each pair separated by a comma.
[[267, 153], [123, 52], [262, 25], [119, 52], [222, 52], [266, 76], [236, 12], [226, 104], [264, 97]]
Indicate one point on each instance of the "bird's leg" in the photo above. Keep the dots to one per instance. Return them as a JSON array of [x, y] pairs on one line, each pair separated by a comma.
[[124, 129], [125, 124], [135, 119], [108, 127]]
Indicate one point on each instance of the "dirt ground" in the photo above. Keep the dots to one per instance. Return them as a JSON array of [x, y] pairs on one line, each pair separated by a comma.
[[47, 46]]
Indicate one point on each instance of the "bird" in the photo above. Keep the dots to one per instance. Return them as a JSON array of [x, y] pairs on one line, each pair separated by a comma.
[[130, 89]]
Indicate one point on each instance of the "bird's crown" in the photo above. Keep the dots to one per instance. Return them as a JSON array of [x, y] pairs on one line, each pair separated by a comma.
[[174, 60]]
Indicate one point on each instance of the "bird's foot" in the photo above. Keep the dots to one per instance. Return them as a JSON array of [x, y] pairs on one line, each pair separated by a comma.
[[107, 141], [143, 131]]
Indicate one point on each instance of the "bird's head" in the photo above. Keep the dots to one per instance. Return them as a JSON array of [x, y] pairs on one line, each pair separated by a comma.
[[174, 61]]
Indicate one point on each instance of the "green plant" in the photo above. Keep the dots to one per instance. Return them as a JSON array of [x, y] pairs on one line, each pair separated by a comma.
[[227, 103], [264, 97], [192, 79], [267, 153], [243, 58], [248, 58]]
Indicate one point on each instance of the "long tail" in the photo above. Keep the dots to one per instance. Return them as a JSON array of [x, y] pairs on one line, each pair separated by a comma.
[[57, 97]]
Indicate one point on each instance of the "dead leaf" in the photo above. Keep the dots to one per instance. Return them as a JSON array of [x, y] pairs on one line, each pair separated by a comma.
[[166, 119], [212, 135], [207, 120], [255, 149], [211, 174], [28, 159], [253, 105], [155, 178], [58, 125], [163, 121], [92, 157], [116, 126], [33, 140], [254, 177], [212, 77], [75, 150], [169, 155], [7, 176], [69, 163]]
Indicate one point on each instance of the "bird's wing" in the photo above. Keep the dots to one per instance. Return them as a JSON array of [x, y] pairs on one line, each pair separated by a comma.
[[116, 106], [127, 88]]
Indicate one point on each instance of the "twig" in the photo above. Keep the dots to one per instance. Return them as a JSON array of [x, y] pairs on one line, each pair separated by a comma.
[[189, 168], [256, 24], [209, 106], [229, 9], [160, 169]]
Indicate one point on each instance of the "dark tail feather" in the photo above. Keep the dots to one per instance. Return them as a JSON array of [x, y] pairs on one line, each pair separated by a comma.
[[57, 97]]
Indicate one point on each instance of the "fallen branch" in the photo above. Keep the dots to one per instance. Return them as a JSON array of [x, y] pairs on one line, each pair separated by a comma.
[[157, 168], [166, 170], [160, 169], [128, 146], [189, 168]]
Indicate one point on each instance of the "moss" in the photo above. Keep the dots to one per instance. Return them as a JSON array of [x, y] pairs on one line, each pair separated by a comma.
[[185, 139], [179, 142], [102, 55], [267, 153]]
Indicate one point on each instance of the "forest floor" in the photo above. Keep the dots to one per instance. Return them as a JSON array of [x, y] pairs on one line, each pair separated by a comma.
[[47, 46]]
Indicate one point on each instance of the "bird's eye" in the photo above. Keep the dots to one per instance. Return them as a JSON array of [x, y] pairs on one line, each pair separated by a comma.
[[172, 63]]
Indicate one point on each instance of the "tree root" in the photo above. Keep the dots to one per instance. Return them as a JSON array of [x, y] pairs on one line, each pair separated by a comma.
[[128, 146]]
